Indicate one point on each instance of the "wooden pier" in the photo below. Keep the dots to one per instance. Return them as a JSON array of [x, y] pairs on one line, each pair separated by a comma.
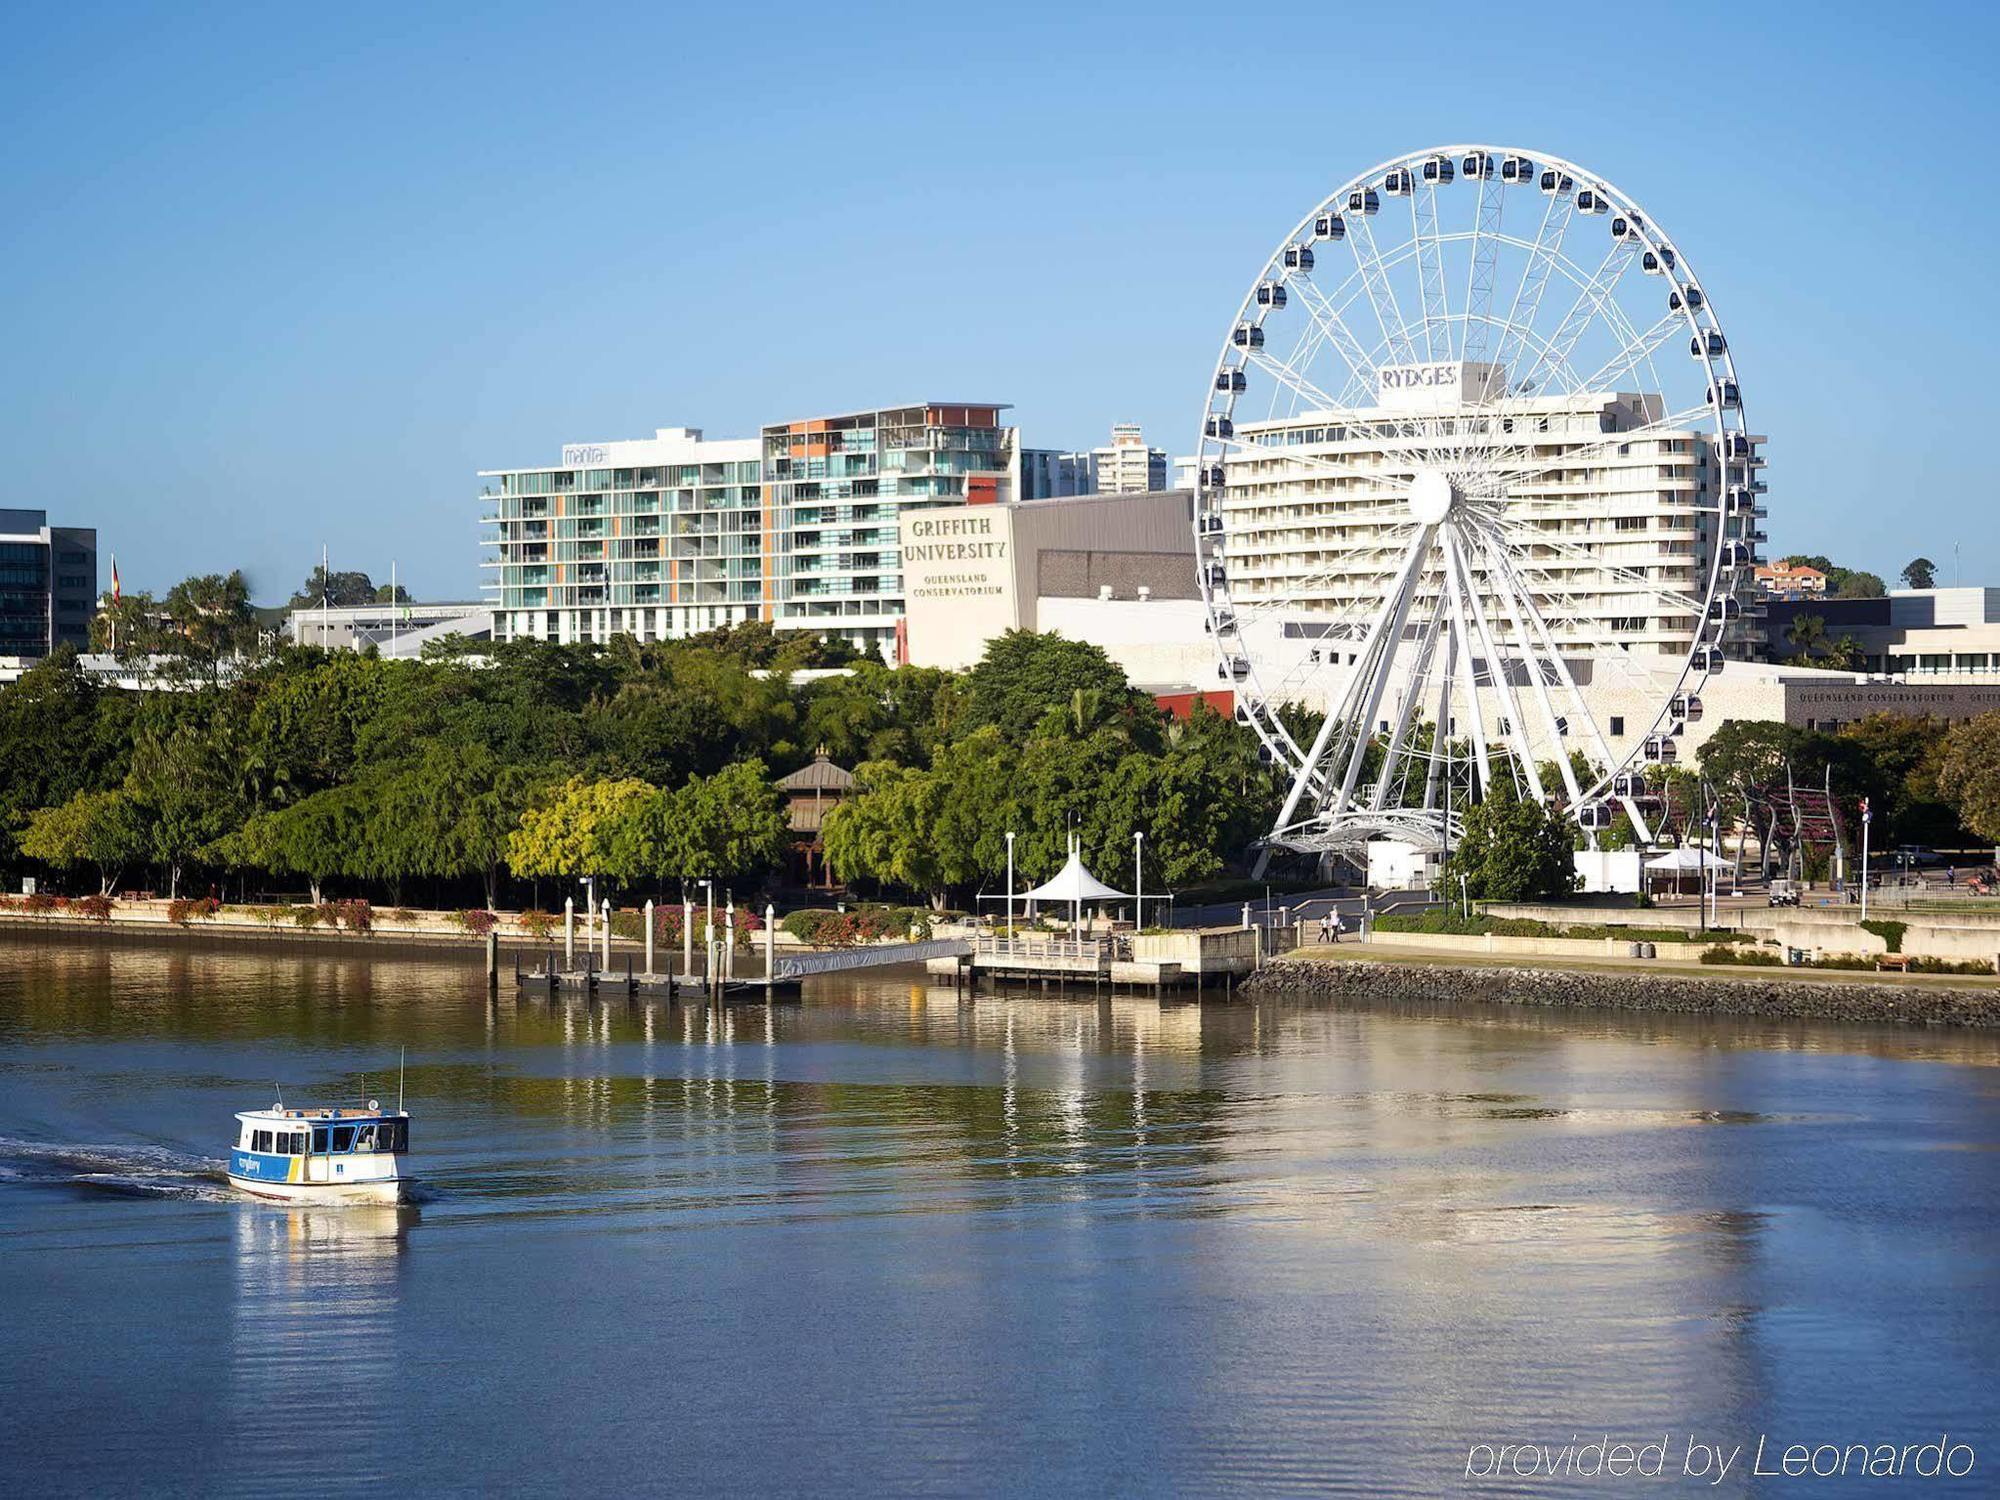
[[551, 975]]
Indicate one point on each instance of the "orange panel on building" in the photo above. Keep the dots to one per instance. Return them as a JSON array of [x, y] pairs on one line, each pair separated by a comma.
[[982, 489]]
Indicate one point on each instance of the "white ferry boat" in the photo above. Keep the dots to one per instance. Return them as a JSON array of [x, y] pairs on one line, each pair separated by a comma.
[[322, 1155]]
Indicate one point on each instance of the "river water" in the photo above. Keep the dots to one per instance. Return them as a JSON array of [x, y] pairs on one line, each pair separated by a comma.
[[887, 1241]]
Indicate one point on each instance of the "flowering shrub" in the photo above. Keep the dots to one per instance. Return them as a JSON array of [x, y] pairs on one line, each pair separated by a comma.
[[95, 908], [41, 903], [306, 917], [183, 909], [539, 925], [864, 924], [476, 920], [355, 915]]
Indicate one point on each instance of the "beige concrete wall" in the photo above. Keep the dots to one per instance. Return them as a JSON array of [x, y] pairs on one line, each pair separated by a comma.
[[1534, 947]]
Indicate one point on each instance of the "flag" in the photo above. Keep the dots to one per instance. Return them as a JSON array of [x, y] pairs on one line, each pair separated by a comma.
[[117, 593]]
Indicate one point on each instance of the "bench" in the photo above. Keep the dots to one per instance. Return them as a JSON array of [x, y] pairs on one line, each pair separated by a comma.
[[1899, 962]]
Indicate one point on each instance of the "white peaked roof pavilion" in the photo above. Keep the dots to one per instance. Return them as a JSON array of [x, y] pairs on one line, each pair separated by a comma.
[[1074, 883]]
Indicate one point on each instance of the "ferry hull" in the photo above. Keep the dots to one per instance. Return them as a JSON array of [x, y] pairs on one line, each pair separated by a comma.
[[376, 1190]]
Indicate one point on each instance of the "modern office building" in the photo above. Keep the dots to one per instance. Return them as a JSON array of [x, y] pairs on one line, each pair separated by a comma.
[[657, 538], [1926, 634], [48, 584], [1052, 474], [834, 489], [1115, 570], [1125, 467], [1631, 530]]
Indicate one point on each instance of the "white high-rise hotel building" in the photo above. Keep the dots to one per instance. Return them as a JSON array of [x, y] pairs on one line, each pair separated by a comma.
[[1630, 527]]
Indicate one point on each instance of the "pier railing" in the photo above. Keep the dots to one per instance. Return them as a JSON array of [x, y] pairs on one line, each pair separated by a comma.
[[997, 950]]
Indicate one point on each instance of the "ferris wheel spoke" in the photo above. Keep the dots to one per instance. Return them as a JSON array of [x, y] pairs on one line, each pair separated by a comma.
[[1543, 255], [1589, 298], [1430, 269], [1381, 294], [1674, 423], [1636, 352], [1331, 323], [1580, 710], [1484, 261], [1271, 453], [1524, 538], [1286, 375]]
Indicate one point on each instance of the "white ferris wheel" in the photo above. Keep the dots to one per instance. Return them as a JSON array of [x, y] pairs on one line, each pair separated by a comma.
[[1474, 483]]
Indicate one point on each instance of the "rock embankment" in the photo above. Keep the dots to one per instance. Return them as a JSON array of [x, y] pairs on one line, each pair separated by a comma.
[[1896, 1003]]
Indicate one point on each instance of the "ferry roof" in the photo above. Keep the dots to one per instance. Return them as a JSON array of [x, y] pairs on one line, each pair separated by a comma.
[[308, 1116]]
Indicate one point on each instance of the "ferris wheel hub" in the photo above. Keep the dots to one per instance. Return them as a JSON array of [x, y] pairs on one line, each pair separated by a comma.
[[1432, 496]]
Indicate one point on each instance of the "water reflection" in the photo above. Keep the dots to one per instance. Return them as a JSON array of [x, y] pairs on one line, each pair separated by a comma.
[[997, 1243], [315, 1342]]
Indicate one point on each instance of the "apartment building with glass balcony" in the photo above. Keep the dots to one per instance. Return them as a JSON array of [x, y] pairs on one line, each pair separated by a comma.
[[834, 488], [656, 538]]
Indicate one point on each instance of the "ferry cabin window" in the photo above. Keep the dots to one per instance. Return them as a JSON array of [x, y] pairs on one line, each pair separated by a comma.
[[261, 1141], [343, 1138], [364, 1138], [319, 1140]]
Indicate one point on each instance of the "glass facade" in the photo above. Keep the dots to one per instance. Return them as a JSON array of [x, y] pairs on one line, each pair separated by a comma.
[[48, 584], [673, 535], [835, 486], [659, 538]]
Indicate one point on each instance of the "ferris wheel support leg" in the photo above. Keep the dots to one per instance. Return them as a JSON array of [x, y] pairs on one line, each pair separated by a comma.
[[1468, 678], [1441, 740], [1496, 669], [1341, 715], [1388, 632], [1531, 660], [1399, 742]]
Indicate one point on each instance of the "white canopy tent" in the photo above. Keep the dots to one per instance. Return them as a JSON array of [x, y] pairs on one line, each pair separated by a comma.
[[1688, 860]]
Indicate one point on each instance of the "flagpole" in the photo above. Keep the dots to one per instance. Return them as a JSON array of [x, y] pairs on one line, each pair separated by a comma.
[[392, 606], [325, 603]]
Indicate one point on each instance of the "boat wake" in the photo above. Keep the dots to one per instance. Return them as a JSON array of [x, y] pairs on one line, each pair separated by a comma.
[[129, 1171]]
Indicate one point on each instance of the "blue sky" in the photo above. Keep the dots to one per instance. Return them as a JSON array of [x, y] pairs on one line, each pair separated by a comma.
[[283, 275]]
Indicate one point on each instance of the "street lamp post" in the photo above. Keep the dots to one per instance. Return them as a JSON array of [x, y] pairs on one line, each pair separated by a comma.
[[1138, 881], [1010, 886], [1867, 817]]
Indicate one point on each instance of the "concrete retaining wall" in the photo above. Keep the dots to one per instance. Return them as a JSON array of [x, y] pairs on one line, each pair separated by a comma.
[[1536, 947], [1893, 1002], [1817, 930]]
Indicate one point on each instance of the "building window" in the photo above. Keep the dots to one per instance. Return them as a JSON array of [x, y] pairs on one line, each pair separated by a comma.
[[1617, 723]]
